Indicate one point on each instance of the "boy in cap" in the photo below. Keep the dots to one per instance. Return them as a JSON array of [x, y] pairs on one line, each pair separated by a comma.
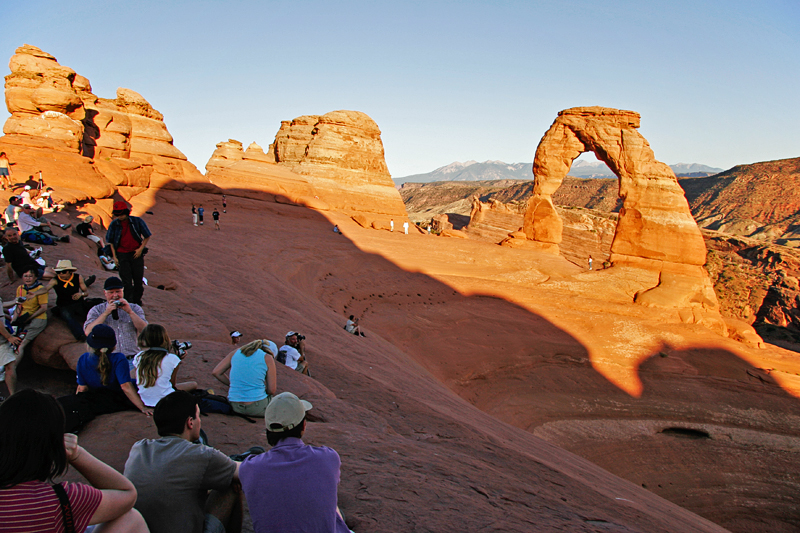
[[127, 236], [292, 487]]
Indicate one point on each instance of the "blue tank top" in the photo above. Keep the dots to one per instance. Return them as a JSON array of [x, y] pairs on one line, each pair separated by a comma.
[[248, 377]]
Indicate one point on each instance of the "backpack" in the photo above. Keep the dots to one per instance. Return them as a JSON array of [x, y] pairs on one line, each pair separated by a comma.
[[216, 403]]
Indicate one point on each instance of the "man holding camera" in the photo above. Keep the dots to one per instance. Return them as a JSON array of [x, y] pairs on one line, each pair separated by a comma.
[[293, 353], [126, 319]]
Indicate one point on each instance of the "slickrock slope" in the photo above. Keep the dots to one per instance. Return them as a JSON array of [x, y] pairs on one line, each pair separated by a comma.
[[333, 161], [86, 147]]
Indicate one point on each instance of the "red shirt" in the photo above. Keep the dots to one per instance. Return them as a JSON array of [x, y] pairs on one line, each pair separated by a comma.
[[33, 507], [126, 241]]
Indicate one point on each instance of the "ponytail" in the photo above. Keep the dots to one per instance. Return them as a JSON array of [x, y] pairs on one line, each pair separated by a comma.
[[103, 364]]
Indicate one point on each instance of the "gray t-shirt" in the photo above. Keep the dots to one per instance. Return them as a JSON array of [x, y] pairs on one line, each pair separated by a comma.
[[173, 477]]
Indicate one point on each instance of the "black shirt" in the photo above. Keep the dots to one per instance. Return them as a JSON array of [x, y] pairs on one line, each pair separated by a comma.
[[20, 260], [84, 229]]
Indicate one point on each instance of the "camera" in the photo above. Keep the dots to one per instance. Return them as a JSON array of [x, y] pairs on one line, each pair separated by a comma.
[[117, 304], [300, 337], [21, 299], [180, 347]]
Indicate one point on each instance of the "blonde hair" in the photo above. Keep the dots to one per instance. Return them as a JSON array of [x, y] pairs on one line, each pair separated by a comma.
[[103, 364], [259, 344], [155, 337]]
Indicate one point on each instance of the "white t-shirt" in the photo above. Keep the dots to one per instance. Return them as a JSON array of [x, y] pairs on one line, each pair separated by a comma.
[[151, 395], [292, 356]]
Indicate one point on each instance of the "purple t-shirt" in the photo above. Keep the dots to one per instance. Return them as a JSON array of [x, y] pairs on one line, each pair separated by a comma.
[[88, 374], [292, 488]]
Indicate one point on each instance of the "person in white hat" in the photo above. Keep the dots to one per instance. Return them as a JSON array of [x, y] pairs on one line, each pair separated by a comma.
[[293, 353], [71, 290], [293, 486]]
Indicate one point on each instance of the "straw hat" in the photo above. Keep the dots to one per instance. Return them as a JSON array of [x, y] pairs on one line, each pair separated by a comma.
[[64, 264]]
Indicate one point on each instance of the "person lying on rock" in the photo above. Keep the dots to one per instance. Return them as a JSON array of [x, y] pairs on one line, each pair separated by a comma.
[[19, 260], [184, 486], [293, 486], [126, 319], [156, 367], [38, 230], [86, 230], [104, 382], [293, 353], [71, 291], [36, 450], [29, 320]]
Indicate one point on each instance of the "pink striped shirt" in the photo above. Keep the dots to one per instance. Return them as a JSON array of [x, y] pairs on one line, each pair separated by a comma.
[[33, 507]]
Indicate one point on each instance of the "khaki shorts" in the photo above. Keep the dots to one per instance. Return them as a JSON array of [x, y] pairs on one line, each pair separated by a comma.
[[251, 408]]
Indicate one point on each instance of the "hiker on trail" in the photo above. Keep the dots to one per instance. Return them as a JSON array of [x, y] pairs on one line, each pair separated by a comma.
[[391, 225], [156, 367], [126, 319], [71, 292], [224, 204], [35, 451], [174, 474], [127, 236], [194, 214], [253, 378], [5, 171], [405, 227], [215, 216], [200, 212], [293, 486], [293, 352], [590, 262]]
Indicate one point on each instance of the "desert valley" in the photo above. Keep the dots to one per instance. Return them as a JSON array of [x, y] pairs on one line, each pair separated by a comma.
[[502, 384]]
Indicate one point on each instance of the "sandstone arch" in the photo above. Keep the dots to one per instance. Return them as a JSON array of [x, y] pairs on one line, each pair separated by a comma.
[[656, 230]]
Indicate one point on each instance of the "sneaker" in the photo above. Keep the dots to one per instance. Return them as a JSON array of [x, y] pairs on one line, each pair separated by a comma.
[[363, 335], [65, 238], [65, 226], [90, 280]]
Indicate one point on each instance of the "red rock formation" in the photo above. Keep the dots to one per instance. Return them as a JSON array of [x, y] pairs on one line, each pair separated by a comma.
[[330, 162], [655, 231], [86, 147]]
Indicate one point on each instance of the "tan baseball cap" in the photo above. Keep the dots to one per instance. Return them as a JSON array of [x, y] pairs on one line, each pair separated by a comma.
[[285, 412]]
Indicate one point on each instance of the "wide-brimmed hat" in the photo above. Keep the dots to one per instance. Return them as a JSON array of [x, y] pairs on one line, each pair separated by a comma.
[[285, 412], [64, 264], [102, 336]]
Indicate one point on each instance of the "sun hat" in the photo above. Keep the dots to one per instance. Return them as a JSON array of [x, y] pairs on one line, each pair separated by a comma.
[[88, 219], [64, 264], [285, 412], [102, 336]]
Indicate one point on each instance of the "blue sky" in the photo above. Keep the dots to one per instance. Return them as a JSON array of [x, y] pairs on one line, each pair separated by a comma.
[[716, 82]]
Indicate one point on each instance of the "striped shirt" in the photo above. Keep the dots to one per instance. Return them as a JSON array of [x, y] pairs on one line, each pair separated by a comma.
[[33, 507]]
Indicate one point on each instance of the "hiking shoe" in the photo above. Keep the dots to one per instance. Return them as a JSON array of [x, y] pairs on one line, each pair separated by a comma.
[[362, 335], [65, 226], [91, 279], [65, 238]]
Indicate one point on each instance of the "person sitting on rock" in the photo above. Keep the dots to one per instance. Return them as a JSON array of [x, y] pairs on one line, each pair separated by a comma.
[[13, 210], [293, 353], [235, 337], [19, 260], [38, 230], [293, 486], [353, 327], [29, 320], [253, 378], [35, 451], [156, 367], [8, 351], [126, 319], [174, 474], [85, 229], [104, 382], [71, 291]]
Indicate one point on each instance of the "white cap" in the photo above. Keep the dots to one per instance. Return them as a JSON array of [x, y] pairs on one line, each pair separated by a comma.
[[285, 412]]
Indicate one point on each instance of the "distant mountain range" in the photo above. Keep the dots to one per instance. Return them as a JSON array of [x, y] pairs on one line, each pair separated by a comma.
[[498, 170]]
